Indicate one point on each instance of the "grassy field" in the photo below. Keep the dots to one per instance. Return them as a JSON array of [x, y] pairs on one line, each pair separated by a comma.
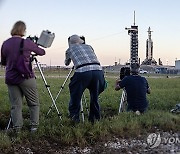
[[164, 96]]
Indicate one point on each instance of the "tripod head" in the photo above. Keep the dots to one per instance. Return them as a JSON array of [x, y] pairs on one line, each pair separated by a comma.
[[33, 57]]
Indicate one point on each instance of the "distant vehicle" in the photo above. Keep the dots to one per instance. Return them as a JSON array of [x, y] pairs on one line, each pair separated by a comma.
[[161, 70], [143, 71]]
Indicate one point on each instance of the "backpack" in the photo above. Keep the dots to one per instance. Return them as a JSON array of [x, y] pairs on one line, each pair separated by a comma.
[[176, 109]]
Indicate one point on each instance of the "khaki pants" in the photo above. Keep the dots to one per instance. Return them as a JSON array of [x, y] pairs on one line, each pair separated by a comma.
[[28, 89]]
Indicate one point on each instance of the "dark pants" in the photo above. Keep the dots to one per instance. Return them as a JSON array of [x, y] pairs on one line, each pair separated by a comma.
[[94, 81]]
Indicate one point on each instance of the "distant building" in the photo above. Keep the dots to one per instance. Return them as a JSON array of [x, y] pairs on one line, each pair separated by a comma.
[[177, 64]]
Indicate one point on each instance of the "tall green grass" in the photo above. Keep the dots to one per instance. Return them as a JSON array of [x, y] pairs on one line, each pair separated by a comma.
[[164, 95]]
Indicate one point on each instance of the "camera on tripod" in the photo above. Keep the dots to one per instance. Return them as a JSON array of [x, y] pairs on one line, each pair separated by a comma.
[[45, 40], [125, 71]]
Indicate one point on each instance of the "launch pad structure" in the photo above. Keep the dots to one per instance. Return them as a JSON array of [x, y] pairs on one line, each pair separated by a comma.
[[149, 51], [149, 60]]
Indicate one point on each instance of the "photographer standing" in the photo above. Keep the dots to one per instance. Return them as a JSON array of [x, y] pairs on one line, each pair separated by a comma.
[[88, 74], [19, 85], [136, 88]]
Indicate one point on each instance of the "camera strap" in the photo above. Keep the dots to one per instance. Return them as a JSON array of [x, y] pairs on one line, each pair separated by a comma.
[[86, 64], [21, 46]]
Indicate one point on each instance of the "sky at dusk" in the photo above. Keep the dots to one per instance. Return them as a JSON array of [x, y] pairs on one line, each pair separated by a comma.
[[102, 22]]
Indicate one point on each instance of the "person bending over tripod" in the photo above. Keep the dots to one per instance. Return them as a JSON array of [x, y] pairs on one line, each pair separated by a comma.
[[88, 74], [136, 88], [18, 84]]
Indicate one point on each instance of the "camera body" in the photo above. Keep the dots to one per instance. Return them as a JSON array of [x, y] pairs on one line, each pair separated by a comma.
[[34, 38], [82, 38], [125, 71], [45, 40]]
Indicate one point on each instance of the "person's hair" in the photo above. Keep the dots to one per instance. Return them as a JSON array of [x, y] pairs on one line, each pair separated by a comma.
[[18, 28], [75, 39], [134, 68]]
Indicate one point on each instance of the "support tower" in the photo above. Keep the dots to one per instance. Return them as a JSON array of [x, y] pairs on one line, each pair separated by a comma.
[[133, 32]]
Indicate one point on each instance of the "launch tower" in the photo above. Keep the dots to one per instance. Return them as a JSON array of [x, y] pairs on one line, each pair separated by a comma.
[[133, 32]]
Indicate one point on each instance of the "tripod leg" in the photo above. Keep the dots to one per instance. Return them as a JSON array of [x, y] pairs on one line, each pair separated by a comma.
[[82, 112], [47, 87], [62, 87], [9, 123], [122, 102], [54, 103], [86, 105]]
